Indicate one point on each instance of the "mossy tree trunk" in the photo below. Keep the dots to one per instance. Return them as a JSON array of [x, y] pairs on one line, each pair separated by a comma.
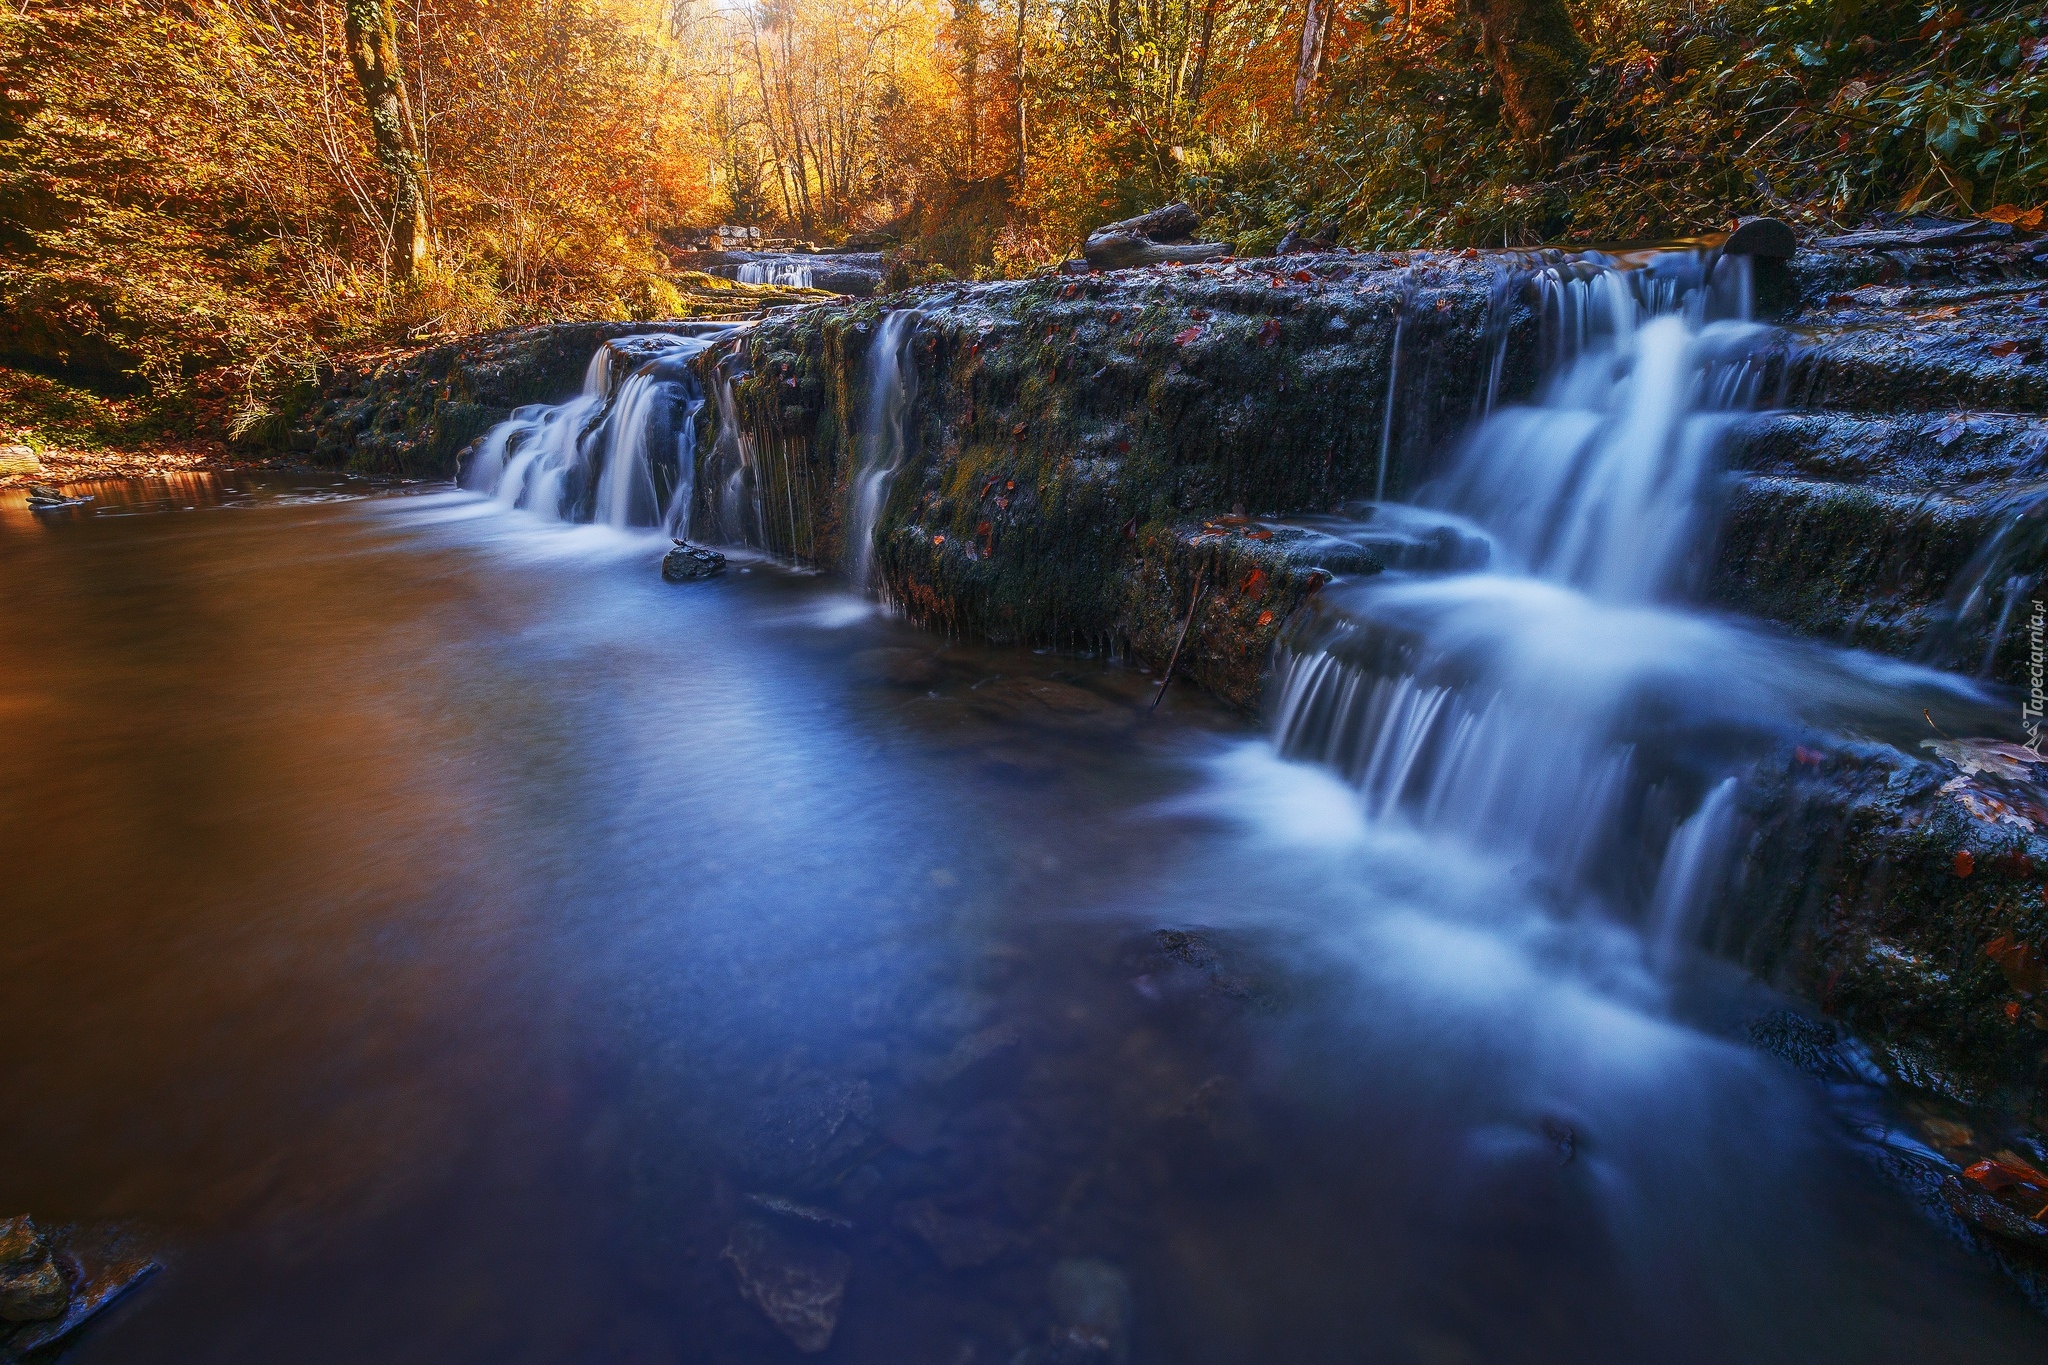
[[1536, 57], [371, 31]]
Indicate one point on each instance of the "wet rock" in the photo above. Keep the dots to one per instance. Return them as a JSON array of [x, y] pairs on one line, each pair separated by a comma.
[[809, 1131], [99, 1265], [31, 1286], [687, 563], [960, 1243], [32, 1291], [1764, 237], [799, 1286]]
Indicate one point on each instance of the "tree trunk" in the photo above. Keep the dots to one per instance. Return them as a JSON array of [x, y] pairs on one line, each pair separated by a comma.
[[1022, 139], [371, 31], [1536, 57], [1202, 62], [1315, 26]]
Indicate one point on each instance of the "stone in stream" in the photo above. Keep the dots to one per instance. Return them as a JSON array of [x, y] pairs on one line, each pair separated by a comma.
[[32, 1289], [799, 1286], [1767, 238], [687, 563], [94, 1265], [960, 1243]]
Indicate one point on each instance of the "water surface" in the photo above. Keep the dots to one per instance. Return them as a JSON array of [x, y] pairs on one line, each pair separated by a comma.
[[433, 927]]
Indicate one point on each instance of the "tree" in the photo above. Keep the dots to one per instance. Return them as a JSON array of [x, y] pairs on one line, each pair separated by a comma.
[[1536, 57], [370, 31]]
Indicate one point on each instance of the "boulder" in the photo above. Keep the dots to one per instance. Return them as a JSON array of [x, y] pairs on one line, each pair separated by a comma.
[[686, 563], [1767, 238]]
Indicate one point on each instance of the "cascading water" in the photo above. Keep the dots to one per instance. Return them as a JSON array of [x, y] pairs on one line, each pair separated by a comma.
[[1521, 682], [621, 453], [884, 437], [791, 274]]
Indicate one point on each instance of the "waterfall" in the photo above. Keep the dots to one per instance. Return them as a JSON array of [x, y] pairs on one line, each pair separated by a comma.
[[621, 453], [884, 437], [792, 274], [1541, 696]]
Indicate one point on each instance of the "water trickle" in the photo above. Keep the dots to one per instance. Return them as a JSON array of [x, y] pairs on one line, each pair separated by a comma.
[[621, 453], [884, 437]]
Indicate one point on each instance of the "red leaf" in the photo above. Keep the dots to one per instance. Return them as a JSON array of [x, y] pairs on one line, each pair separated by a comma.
[[1302, 277], [1258, 535], [1183, 338], [1265, 619], [1269, 333], [2002, 349], [1254, 584], [1966, 862], [938, 540]]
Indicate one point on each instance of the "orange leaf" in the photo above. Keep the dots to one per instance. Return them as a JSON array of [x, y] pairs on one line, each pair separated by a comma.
[[1254, 584], [1183, 338], [1966, 862]]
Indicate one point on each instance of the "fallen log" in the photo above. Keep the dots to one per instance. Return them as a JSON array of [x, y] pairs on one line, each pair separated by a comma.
[[1160, 237]]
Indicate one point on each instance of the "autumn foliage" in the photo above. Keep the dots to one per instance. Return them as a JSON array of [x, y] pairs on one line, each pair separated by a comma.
[[192, 202]]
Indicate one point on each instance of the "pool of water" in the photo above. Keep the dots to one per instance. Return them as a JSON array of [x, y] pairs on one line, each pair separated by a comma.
[[450, 943]]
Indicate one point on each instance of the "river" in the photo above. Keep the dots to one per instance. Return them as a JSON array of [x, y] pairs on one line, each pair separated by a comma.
[[433, 928]]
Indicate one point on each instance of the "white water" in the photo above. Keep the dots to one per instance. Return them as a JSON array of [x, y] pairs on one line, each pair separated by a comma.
[[884, 438], [620, 454], [791, 274], [1556, 708]]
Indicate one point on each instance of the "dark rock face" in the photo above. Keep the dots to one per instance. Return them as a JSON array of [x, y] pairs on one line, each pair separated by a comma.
[[1079, 445], [411, 415]]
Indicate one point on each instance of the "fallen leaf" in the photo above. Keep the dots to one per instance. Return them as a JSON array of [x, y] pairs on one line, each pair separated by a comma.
[[1810, 757], [1986, 756], [2026, 220], [2021, 966], [1254, 584], [2002, 349], [938, 540], [1184, 337], [1302, 277], [1966, 862], [1947, 310], [2005, 1171], [983, 529], [1019, 429], [1269, 333], [1258, 535], [1443, 305], [1265, 619]]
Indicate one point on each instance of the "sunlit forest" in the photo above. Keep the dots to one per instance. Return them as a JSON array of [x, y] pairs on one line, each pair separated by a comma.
[[202, 198]]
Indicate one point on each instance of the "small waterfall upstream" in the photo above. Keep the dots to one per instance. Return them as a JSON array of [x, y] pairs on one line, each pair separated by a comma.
[[1535, 689], [621, 453], [884, 438], [793, 274]]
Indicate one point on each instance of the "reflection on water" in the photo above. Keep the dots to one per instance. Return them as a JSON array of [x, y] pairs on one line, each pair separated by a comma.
[[459, 945]]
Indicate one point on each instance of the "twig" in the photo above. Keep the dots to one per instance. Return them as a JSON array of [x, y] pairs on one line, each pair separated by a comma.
[[1196, 605]]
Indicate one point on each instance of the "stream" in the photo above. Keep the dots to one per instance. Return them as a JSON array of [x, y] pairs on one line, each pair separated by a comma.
[[451, 943]]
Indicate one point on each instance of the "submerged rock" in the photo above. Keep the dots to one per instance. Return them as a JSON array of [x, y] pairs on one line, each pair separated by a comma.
[[799, 1286], [960, 1243], [1091, 1307], [687, 562]]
